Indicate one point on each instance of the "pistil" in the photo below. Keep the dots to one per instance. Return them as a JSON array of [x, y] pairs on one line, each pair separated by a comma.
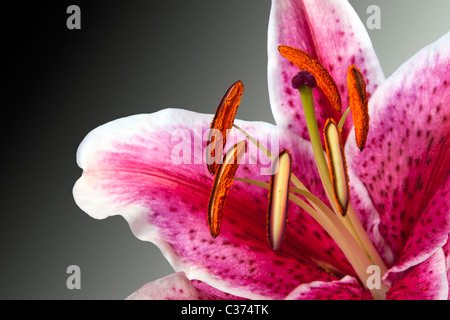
[[350, 220], [306, 94], [358, 106]]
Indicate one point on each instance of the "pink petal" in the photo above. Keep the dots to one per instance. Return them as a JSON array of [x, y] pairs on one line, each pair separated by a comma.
[[426, 281], [331, 32], [429, 234], [128, 170], [173, 287], [405, 166], [219, 295], [346, 288]]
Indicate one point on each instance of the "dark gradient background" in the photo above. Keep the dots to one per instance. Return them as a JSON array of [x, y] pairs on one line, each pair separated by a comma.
[[129, 57]]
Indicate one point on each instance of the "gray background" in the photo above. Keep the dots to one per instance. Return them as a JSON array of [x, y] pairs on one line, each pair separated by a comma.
[[129, 57]]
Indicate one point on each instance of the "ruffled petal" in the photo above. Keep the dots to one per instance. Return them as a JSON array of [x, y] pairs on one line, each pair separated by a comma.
[[346, 288], [131, 167], [405, 166], [331, 32], [425, 281], [173, 287]]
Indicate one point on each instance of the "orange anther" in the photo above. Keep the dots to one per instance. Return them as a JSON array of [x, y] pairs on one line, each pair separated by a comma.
[[222, 184], [223, 121], [304, 61], [358, 101]]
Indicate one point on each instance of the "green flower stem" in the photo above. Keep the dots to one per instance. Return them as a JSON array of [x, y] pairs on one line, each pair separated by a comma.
[[306, 95]]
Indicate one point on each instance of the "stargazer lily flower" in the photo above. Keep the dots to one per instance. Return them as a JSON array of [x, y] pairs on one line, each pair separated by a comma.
[[352, 208]]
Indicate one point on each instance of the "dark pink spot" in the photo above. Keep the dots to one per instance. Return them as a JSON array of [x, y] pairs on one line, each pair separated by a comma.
[[288, 90]]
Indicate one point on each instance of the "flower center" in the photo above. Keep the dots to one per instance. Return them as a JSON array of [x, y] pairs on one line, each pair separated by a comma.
[[339, 221]]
